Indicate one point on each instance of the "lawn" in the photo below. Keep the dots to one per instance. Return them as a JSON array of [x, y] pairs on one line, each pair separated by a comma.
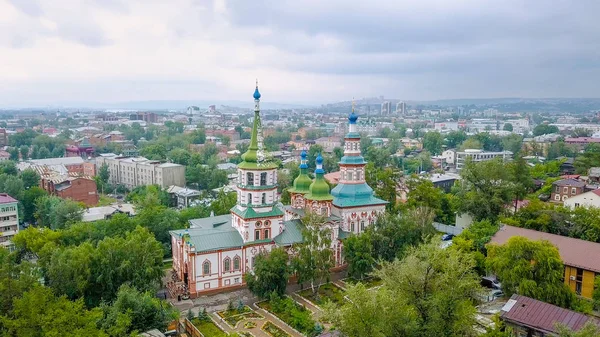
[[273, 330], [327, 292], [105, 200], [208, 328]]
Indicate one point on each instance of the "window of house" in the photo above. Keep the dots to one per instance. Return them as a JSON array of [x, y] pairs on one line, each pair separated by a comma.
[[249, 178], [557, 197], [257, 235], [263, 179], [264, 198], [565, 190], [236, 280], [579, 281], [227, 265], [267, 234], [557, 189], [573, 190], [236, 263], [564, 197], [227, 282], [206, 268]]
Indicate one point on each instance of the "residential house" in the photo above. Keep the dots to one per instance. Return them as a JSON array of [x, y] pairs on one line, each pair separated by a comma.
[[529, 317], [329, 143], [106, 212], [444, 181], [566, 188], [587, 199], [4, 155], [580, 257], [9, 219], [140, 171], [183, 197], [581, 142], [78, 188]]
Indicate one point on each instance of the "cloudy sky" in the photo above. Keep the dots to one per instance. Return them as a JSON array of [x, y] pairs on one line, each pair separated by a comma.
[[301, 51]]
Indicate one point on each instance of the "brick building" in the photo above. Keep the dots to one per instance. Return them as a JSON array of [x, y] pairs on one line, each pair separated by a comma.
[[566, 188], [81, 189], [3, 137]]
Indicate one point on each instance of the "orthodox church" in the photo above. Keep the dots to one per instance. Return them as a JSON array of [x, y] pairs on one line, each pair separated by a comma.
[[215, 252]]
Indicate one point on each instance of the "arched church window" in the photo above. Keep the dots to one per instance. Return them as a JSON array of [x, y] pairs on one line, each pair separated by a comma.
[[236, 263], [352, 226], [362, 225], [263, 178], [227, 265], [267, 234], [206, 268], [256, 236]]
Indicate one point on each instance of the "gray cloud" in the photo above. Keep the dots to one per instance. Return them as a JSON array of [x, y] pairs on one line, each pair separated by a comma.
[[336, 48]]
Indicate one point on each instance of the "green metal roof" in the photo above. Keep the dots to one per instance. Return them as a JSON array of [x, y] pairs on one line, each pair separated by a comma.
[[352, 135], [301, 183], [291, 234], [211, 233], [352, 160], [351, 195], [268, 165], [343, 234], [252, 159], [250, 213]]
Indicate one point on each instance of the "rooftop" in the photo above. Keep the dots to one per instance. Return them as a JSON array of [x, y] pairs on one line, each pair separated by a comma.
[[574, 252], [5, 198], [569, 182], [542, 316]]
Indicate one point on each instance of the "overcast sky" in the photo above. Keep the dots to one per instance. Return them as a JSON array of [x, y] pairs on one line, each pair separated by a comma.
[[301, 51]]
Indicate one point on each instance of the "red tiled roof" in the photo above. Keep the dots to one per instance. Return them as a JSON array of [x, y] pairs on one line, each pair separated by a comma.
[[5, 198], [569, 182], [542, 316], [574, 252], [596, 192]]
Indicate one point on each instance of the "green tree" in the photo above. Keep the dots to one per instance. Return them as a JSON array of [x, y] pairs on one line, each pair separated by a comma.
[[430, 292], [270, 273], [14, 153], [455, 138], [69, 271], [315, 257], [507, 127], [8, 167], [56, 213], [12, 185], [358, 253], [39, 313], [28, 202], [179, 156], [588, 330], [432, 142], [520, 178], [471, 143], [142, 310], [24, 150], [15, 279], [512, 143], [30, 178], [543, 129], [104, 173], [531, 268], [485, 189]]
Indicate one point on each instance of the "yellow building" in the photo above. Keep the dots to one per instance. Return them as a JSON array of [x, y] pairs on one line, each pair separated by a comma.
[[581, 258]]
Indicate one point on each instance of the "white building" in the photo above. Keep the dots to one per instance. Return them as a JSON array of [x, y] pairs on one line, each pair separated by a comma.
[[587, 199], [386, 108], [139, 171], [449, 156], [479, 155], [9, 219], [401, 108]]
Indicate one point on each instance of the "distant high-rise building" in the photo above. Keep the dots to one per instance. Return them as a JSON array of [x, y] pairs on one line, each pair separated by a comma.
[[386, 108], [401, 108]]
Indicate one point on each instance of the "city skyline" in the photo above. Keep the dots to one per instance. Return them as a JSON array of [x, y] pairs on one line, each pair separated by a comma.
[[305, 52]]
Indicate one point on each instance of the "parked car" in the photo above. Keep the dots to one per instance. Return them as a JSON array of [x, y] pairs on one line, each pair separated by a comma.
[[491, 282], [447, 237]]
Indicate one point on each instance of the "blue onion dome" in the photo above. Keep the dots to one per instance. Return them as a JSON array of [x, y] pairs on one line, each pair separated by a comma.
[[256, 93], [303, 154], [353, 117], [319, 159]]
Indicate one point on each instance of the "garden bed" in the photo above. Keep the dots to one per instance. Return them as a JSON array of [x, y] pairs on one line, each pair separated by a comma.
[[326, 292], [208, 328], [291, 313], [234, 316], [273, 330]]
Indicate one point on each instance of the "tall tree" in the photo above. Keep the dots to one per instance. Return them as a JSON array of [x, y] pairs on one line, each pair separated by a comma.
[[270, 273], [432, 142], [30, 178], [314, 257], [531, 268], [358, 253], [520, 178], [430, 292]]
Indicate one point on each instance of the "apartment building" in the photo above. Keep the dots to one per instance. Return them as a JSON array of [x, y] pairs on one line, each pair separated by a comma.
[[139, 171], [566, 188], [479, 155], [9, 219]]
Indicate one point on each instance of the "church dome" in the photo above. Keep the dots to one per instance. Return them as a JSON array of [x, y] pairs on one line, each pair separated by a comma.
[[256, 93], [352, 118]]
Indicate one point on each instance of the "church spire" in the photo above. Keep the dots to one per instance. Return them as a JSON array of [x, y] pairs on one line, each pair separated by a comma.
[[256, 154], [302, 181]]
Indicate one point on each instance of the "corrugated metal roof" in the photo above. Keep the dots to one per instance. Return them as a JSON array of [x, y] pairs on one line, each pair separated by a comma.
[[543, 316], [291, 234], [574, 252]]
